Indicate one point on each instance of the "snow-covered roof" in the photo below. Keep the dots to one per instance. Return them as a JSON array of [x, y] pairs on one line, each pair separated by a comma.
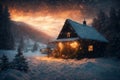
[[86, 32], [66, 39]]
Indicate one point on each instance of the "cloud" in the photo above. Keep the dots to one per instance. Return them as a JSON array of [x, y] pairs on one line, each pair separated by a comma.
[[50, 15]]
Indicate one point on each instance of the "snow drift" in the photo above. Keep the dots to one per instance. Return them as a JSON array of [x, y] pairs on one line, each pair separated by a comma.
[[12, 74], [43, 68]]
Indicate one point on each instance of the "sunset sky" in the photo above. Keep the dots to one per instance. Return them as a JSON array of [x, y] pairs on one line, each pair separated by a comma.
[[49, 15]]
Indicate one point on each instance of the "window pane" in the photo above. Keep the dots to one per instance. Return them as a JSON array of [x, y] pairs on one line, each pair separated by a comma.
[[90, 48]]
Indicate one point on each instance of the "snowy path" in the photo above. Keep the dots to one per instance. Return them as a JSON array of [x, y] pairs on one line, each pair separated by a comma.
[[43, 68]]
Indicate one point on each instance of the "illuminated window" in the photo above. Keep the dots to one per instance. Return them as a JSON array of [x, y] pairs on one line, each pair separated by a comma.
[[68, 34], [90, 48], [74, 44], [80, 48], [60, 45]]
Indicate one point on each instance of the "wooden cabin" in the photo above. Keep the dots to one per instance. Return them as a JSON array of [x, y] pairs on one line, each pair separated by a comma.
[[77, 40]]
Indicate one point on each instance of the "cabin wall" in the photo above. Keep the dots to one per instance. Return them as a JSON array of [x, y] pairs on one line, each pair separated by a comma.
[[81, 51], [98, 49]]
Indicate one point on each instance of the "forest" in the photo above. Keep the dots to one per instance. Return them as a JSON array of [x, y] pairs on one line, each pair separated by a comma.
[[109, 25]]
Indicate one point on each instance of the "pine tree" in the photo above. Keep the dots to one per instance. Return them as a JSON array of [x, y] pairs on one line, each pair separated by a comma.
[[4, 63], [1, 12], [100, 22], [20, 62], [1, 27], [113, 19], [6, 15], [118, 15], [35, 47], [109, 26], [0, 64], [21, 44], [114, 28], [94, 23], [6, 37]]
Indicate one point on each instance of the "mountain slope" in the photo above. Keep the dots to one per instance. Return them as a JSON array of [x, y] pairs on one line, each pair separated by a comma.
[[21, 29]]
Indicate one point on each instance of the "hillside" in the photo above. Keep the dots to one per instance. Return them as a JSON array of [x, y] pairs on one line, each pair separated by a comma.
[[21, 29]]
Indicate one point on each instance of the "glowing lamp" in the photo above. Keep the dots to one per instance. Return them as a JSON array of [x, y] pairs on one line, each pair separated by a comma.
[[74, 44], [60, 45]]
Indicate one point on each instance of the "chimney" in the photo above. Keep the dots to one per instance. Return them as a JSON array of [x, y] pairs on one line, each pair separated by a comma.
[[84, 22]]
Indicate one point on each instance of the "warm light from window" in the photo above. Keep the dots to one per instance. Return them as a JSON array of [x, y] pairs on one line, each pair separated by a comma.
[[90, 48], [74, 44], [60, 45]]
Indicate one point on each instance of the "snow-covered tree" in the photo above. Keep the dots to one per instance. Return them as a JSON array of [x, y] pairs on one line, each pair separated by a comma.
[[21, 44], [109, 26], [101, 22], [35, 47], [4, 63], [19, 62]]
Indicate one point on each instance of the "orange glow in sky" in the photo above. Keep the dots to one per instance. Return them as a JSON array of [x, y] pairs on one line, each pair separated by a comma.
[[48, 22]]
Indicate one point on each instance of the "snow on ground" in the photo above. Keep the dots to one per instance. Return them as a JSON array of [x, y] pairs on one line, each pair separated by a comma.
[[28, 46], [33, 54], [13, 75], [43, 68], [9, 53]]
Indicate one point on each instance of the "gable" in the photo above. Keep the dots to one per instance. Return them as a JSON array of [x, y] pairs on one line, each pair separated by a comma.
[[81, 31], [67, 28]]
